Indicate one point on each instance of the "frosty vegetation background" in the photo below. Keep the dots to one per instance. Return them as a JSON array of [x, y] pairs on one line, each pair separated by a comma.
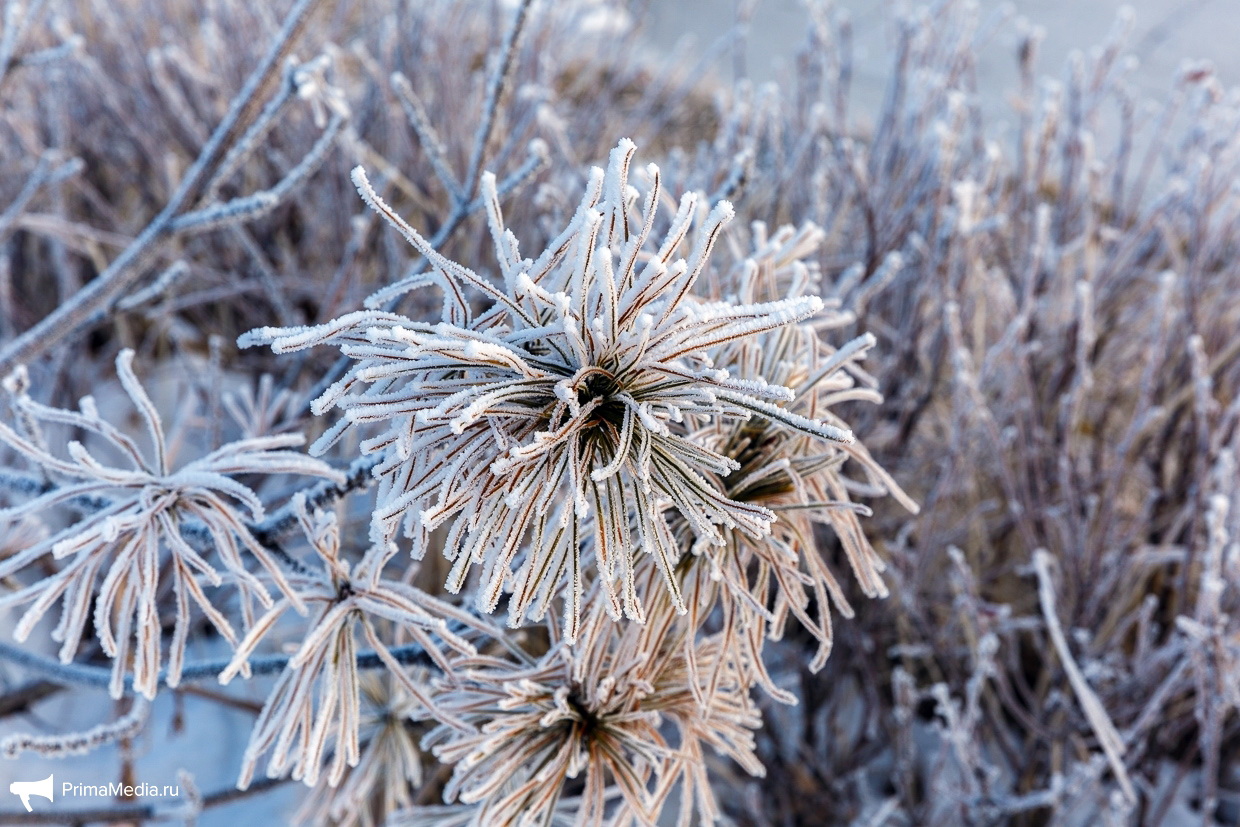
[[453, 413]]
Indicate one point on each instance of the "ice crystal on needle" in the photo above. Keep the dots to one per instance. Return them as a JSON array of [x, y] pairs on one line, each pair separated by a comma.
[[562, 414]]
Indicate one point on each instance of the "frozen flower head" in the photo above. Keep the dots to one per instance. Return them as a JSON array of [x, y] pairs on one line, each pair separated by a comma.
[[613, 717], [564, 412], [146, 525], [806, 483]]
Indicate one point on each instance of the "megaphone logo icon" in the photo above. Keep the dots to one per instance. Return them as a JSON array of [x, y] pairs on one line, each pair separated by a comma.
[[25, 789]]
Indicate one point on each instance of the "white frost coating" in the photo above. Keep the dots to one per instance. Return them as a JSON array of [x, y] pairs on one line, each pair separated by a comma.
[[112, 554], [581, 389]]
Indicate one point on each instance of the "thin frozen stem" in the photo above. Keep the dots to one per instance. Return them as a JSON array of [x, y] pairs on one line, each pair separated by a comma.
[[244, 147], [497, 85], [428, 136], [128, 267], [1108, 737], [100, 677], [258, 204], [79, 743], [357, 477], [271, 282], [16, 19], [43, 174]]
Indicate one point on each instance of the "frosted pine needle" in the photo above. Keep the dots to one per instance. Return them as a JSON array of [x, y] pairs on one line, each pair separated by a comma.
[[785, 574], [562, 414], [141, 516], [598, 712], [389, 769], [315, 706]]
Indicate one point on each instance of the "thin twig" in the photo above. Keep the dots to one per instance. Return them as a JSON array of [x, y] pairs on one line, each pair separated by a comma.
[[27, 695], [357, 476], [1108, 737], [73, 314], [100, 677], [497, 84]]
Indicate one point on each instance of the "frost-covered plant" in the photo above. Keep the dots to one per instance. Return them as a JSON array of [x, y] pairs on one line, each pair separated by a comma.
[[1060, 370], [141, 522], [389, 769], [1051, 301], [567, 407], [559, 426], [603, 422], [620, 422], [596, 711], [798, 478], [315, 705]]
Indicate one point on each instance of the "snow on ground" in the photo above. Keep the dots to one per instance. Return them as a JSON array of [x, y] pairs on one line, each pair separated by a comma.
[[1164, 34]]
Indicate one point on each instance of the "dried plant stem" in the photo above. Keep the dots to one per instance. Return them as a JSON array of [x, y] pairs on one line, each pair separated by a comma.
[[1108, 737], [357, 477], [101, 677], [497, 84], [129, 266], [61, 746]]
